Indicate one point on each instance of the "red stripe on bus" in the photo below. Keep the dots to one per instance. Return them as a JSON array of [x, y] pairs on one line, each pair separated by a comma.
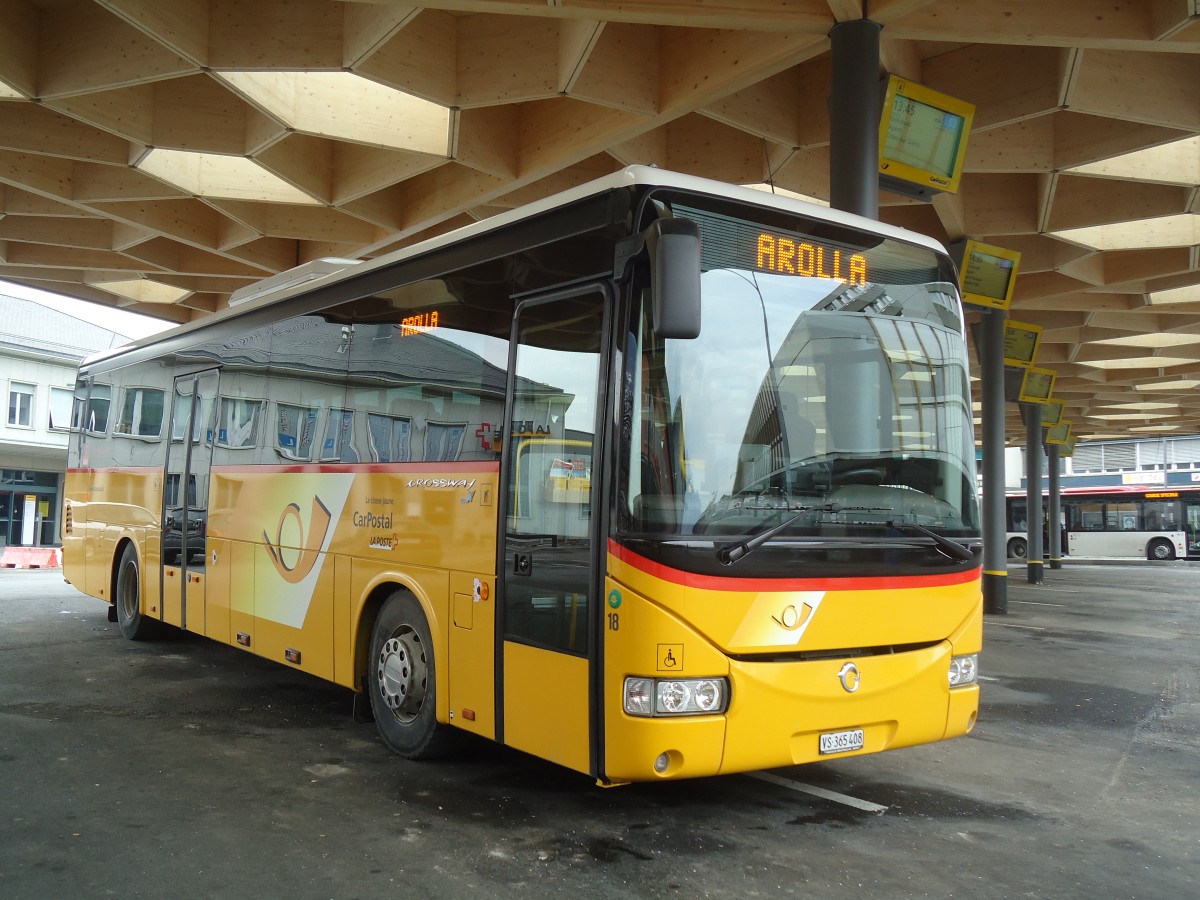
[[293, 468], [109, 470], [716, 583], [397, 468]]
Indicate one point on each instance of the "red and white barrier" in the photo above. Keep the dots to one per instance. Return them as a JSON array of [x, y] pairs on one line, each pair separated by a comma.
[[31, 558]]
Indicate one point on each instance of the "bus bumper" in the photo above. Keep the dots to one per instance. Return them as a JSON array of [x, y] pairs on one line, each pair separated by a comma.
[[779, 711]]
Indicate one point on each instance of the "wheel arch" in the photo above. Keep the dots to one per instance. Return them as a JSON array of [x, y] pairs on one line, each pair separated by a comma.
[[114, 565], [376, 593]]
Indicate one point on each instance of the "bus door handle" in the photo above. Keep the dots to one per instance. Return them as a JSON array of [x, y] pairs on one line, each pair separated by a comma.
[[522, 563]]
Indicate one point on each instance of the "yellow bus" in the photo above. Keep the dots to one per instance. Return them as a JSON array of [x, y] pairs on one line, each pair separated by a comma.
[[657, 478]]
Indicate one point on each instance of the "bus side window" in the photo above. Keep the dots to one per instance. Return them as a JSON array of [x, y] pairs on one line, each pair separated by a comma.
[[1123, 517], [1091, 517]]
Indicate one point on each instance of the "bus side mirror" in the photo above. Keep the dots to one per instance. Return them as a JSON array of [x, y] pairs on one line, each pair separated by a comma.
[[674, 249]]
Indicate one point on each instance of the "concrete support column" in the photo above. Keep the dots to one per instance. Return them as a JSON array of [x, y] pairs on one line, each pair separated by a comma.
[[1054, 508], [1032, 413], [854, 118], [989, 346]]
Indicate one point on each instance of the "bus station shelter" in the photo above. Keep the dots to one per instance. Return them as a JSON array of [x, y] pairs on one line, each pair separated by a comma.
[[158, 155]]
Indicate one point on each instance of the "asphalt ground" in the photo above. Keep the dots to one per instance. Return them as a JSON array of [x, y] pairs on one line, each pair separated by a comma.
[[186, 769]]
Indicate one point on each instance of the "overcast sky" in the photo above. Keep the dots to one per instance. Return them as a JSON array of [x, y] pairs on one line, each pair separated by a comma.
[[118, 320]]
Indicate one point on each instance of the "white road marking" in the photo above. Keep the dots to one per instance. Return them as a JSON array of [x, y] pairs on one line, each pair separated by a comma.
[[1037, 603], [987, 678], [801, 787], [1011, 625]]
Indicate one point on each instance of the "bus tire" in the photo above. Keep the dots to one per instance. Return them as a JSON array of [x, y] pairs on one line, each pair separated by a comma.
[[1160, 548], [401, 681], [127, 600], [1017, 548]]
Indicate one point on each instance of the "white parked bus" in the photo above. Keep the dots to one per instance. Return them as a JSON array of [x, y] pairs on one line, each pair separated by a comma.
[[1133, 521]]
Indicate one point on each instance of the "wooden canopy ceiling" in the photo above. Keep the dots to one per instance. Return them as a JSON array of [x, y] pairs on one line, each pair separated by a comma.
[[159, 154]]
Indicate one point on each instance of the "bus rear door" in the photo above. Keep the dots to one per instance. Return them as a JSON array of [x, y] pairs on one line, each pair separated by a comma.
[[185, 500]]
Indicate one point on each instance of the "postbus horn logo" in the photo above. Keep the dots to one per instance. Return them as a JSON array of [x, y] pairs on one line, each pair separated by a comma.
[[310, 548], [849, 677]]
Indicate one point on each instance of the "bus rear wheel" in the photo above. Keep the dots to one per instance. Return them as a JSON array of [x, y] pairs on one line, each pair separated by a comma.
[[1017, 549], [401, 681], [127, 599], [1160, 548]]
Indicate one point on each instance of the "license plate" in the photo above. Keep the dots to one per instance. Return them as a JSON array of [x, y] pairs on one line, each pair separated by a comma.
[[842, 741]]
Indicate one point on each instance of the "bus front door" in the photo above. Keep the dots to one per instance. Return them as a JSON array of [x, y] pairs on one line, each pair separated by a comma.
[[185, 500], [1191, 520], [548, 573]]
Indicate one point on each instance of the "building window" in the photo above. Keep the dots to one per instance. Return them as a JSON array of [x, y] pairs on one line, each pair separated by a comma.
[[443, 441], [61, 401], [296, 429], [389, 437], [1088, 459], [20, 405], [1120, 457], [237, 423], [141, 413], [95, 417], [339, 433]]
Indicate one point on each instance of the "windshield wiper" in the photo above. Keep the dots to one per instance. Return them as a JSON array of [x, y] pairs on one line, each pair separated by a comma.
[[952, 549], [731, 554], [948, 548]]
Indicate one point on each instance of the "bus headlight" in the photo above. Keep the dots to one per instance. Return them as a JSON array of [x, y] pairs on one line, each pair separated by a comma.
[[964, 670], [639, 696], [675, 696]]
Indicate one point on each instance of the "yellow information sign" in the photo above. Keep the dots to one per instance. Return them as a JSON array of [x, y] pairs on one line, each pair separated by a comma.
[[1059, 435], [923, 135], [1052, 412], [1021, 342], [1037, 386], [988, 275]]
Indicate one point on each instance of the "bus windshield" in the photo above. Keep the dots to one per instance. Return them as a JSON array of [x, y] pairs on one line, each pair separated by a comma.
[[841, 404]]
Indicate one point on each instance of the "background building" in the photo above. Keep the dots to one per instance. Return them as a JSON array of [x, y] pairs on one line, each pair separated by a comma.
[[40, 349], [1168, 461]]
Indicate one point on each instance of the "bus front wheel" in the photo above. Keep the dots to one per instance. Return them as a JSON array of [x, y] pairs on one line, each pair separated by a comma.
[[1017, 549], [401, 681], [127, 599], [1160, 549]]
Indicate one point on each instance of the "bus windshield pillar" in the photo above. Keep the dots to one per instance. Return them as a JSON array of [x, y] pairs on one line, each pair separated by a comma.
[[1032, 412]]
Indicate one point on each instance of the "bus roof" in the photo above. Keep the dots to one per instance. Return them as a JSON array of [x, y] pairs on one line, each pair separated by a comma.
[[301, 279]]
